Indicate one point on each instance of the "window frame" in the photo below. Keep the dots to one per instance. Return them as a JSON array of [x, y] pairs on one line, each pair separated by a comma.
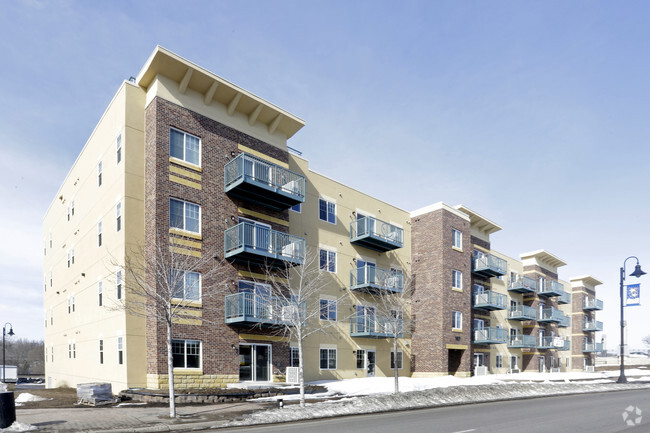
[[101, 351], [456, 279], [99, 233], [330, 264], [120, 350], [294, 357], [100, 170], [400, 359], [184, 157], [329, 206], [184, 288], [328, 310], [498, 361], [184, 222], [118, 148], [457, 239], [185, 354], [100, 291], [457, 320], [118, 216], [118, 284], [328, 359]]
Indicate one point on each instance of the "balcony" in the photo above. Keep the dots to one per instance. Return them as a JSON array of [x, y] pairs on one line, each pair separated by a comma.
[[592, 304], [489, 336], [371, 279], [375, 327], [565, 346], [523, 285], [250, 309], [546, 342], [592, 326], [258, 244], [565, 298], [551, 288], [588, 347], [490, 301], [565, 322], [522, 342], [522, 312], [376, 234], [256, 180], [551, 315], [489, 265]]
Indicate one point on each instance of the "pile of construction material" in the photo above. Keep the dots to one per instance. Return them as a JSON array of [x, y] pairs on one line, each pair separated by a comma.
[[95, 394]]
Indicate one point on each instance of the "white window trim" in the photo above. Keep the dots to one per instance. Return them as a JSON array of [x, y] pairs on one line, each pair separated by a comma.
[[453, 282], [184, 229], [200, 286], [200, 367], [183, 160], [336, 358], [330, 200], [399, 352], [336, 258], [457, 322], [330, 302]]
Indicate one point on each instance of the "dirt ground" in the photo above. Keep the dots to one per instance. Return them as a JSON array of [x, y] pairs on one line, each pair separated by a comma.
[[56, 398]]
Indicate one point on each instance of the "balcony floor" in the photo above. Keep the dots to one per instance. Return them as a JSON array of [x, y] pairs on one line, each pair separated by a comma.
[[248, 189], [377, 243], [261, 257]]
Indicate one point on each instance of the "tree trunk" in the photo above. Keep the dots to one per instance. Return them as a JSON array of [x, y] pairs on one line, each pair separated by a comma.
[[395, 365], [170, 371], [301, 376]]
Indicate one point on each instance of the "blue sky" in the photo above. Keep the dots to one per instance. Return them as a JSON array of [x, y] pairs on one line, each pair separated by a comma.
[[533, 114]]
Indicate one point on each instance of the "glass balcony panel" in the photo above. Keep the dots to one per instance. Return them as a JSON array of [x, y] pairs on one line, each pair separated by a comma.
[[376, 234], [551, 315], [522, 312], [260, 244], [522, 341], [590, 347], [372, 279], [523, 285], [254, 309], [565, 298], [489, 300], [368, 326], [592, 326], [489, 265], [592, 304], [551, 288], [489, 336]]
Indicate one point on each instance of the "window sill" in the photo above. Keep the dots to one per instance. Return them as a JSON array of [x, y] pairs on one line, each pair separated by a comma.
[[456, 330], [457, 290], [185, 164], [460, 250], [186, 303], [185, 233], [188, 371]]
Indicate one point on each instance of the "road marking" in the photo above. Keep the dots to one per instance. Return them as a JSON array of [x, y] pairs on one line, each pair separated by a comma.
[[465, 431]]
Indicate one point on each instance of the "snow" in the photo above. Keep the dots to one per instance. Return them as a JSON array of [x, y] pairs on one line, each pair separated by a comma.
[[18, 427], [25, 397]]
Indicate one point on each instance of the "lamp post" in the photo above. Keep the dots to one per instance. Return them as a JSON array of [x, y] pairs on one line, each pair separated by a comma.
[[11, 332], [637, 273]]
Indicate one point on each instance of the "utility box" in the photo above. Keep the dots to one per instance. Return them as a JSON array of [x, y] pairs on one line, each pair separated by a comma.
[[11, 371]]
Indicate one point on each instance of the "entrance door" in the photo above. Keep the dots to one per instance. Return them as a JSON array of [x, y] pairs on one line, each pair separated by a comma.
[[513, 363], [371, 364], [257, 235], [479, 360], [258, 170], [255, 362], [541, 364]]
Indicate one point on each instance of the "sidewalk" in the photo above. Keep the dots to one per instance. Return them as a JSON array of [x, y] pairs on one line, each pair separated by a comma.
[[129, 418]]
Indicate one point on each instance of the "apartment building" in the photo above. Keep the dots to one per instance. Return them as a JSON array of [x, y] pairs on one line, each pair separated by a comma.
[[186, 162]]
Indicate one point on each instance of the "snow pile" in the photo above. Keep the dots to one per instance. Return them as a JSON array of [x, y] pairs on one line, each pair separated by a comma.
[[3, 387], [26, 397], [19, 426], [441, 396]]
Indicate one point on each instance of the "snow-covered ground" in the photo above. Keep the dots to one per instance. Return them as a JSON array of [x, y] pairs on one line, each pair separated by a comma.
[[27, 397]]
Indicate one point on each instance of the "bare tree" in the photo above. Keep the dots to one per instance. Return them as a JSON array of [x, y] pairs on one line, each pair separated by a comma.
[[163, 283], [646, 340], [293, 304], [391, 311]]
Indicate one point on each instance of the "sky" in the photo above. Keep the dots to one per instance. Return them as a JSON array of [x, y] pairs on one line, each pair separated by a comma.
[[532, 113]]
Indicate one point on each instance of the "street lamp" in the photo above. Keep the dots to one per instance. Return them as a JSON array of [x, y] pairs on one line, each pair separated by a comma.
[[11, 333], [637, 273]]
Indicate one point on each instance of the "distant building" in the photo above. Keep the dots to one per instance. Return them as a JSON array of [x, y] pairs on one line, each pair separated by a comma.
[[183, 152]]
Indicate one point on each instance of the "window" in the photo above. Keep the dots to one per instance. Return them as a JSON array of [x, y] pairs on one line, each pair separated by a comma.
[[327, 309], [186, 353], [69, 350], [184, 215], [118, 148], [120, 351], [327, 260], [52, 352], [99, 233], [99, 173], [72, 298], [118, 216], [69, 305], [101, 351], [74, 350], [50, 238], [187, 285], [184, 146], [327, 211], [400, 357], [328, 359], [456, 279], [72, 254], [51, 279], [361, 359], [457, 239], [68, 258], [72, 207], [456, 320], [99, 292], [542, 284], [118, 284], [51, 315], [296, 207], [294, 361], [68, 212], [499, 361]]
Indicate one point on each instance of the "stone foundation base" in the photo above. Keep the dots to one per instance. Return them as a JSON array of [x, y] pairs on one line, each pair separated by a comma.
[[428, 374], [191, 380]]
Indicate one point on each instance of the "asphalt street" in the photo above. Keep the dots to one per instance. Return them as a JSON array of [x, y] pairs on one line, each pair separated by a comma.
[[594, 413]]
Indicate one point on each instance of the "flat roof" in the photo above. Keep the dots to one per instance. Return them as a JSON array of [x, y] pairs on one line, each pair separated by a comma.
[[480, 222], [544, 256]]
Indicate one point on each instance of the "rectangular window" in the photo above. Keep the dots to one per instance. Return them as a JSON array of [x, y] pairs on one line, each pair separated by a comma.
[[186, 353], [69, 309], [72, 207], [118, 216], [51, 277], [51, 316], [99, 173], [296, 208], [327, 211], [69, 350], [295, 362], [72, 298], [327, 309], [361, 359], [328, 359], [50, 238], [456, 279], [328, 260], [52, 352], [187, 285], [99, 292], [499, 361], [74, 350], [120, 351], [184, 215], [457, 239], [68, 258], [400, 357], [118, 284], [68, 212], [72, 255], [184, 146], [99, 233], [101, 351], [118, 148], [457, 320]]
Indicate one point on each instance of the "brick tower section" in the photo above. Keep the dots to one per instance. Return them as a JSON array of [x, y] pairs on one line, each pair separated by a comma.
[[578, 335], [486, 316], [436, 348]]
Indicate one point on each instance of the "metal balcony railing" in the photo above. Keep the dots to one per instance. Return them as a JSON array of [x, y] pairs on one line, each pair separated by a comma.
[[250, 309], [592, 304], [565, 298], [592, 326], [376, 234], [489, 265], [489, 336], [551, 314], [374, 279], [522, 312], [523, 285], [589, 347], [256, 243], [489, 300], [376, 327], [260, 181], [522, 341], [565, 322]]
